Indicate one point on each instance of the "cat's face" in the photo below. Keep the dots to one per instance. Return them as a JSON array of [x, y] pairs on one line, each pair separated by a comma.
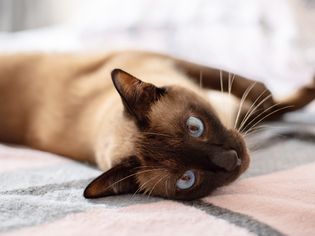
[[182, 149]]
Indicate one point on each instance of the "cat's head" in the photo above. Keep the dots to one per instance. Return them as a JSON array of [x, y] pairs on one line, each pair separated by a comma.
[[182, 149]]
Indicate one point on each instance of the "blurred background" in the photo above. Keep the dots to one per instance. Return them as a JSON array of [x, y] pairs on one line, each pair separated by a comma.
[[268, 40]]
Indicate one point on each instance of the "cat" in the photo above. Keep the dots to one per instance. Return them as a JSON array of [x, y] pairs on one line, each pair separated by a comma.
[[144, 118]]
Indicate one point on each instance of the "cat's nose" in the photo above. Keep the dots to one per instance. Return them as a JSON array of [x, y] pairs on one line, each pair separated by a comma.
[[227, 160]]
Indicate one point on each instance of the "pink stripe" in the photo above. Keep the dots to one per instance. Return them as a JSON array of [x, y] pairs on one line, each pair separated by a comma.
[[284, 200], [16, 158], [162, 218]]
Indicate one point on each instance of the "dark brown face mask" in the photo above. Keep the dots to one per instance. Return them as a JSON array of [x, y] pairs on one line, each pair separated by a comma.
[[183, 150]]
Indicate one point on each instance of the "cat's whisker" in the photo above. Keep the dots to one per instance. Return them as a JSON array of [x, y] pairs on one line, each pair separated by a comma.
[[262, 128], [256, 130], [166, 184], [141, 187], [200, 79], [231, 80], [271, 113], [274, 134], [245, 94], [221, 81], [250, 131], [269, 108], [146, 190], [222, 89], [226, 120], [264, 112], [250, 112], [162, 178], [146, 167], [259, 146], [231, 84], [229, 94], [258, 112], [158, 134], [122, 179]]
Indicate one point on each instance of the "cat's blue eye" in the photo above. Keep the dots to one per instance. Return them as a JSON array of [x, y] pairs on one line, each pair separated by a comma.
[[195, 126], [186, 181]]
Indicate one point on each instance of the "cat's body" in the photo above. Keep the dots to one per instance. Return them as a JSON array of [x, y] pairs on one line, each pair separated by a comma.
[[67, 104]]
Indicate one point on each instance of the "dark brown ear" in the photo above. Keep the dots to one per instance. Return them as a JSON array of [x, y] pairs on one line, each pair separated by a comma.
[[137, 96], [118, 180]]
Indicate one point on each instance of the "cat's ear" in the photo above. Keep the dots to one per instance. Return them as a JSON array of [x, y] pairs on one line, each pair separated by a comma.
[[118, 180], [137, 96]]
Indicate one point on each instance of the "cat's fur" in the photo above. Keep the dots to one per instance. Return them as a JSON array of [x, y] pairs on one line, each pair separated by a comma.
[[79, 107]]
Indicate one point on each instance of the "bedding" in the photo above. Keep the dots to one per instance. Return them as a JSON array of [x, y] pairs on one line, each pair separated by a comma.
[[41, 193]]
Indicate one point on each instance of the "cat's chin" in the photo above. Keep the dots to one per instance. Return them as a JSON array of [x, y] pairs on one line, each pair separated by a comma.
[[237, 172], [245, 163]]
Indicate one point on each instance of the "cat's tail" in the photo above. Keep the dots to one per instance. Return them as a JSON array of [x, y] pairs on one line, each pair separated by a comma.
[[299, 99]]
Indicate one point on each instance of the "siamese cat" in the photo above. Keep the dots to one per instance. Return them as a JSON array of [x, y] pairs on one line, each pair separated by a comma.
[[145, 119]]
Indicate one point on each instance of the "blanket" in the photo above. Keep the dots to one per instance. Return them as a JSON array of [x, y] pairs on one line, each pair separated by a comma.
[[42, 193]]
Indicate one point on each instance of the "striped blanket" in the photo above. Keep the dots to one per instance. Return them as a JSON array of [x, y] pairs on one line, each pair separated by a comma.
[[41, 194]]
